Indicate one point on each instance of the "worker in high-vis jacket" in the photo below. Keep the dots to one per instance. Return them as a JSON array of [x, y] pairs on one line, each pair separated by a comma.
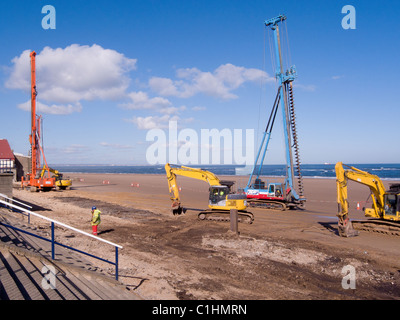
[[95, 220]]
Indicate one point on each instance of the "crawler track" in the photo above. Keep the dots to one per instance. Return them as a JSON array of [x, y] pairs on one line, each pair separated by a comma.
[[274, 205], [265, 204], [224, 215], [377, 225]]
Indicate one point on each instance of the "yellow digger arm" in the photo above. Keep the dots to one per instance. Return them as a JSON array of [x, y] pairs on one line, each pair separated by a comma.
[[44, 169], [345, 227], [341, 187], [172, 185], [172, 171], [47, 168], [198, 174], [374, 183]]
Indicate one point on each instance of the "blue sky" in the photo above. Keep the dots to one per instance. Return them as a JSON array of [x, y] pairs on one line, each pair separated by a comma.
[[112, 71]]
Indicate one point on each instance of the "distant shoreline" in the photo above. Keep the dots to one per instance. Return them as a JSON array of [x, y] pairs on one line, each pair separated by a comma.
[[317, 171], [220, 175]]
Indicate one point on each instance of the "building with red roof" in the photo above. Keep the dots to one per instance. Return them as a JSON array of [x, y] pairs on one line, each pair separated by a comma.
[[7, 158], [7, 168]]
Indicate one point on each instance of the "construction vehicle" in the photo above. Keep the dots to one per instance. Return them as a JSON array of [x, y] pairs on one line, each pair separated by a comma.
[[279, 195], [38, 179], [60, 182], [221, 198], [385, 211]]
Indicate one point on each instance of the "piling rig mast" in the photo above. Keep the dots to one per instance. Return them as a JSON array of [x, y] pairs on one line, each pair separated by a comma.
[[279, 195], [35, 179]]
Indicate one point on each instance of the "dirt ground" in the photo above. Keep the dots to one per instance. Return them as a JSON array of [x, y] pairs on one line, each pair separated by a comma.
[[283, 255]]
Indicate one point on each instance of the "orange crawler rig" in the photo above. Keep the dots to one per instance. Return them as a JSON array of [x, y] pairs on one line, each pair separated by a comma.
[[37, 178]]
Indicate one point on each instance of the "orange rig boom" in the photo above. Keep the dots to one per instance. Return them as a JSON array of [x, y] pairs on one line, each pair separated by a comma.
[[33, 179]]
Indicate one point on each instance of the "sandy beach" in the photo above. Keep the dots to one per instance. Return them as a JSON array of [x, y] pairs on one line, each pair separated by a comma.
[[293, 254]]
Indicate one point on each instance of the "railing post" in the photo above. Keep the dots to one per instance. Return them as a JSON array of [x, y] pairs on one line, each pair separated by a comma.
[[52, 241], [116, 263]]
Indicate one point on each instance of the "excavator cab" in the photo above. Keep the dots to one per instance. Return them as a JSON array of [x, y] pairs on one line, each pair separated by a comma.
[[221, 198], [275, 190], [218, 195], [392, 203]]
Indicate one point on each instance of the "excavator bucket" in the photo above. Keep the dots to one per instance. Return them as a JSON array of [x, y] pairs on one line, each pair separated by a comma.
[[346, 229], [176, 208]]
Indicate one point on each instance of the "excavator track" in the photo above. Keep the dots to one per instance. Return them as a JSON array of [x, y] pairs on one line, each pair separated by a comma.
[[224, 215], [391, 228], [265, 204]]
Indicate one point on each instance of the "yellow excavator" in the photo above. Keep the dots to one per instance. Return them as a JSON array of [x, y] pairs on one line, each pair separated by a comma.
[[221, 198], [385, 211], [60, 182]]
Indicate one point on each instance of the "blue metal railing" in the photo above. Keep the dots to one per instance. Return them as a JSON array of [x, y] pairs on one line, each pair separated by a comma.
[[54, 243]]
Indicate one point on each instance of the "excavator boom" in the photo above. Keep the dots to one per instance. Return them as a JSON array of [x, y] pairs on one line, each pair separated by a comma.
[[172, 171]]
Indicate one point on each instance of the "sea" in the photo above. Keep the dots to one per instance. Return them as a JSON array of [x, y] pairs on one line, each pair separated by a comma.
[[387, 171]]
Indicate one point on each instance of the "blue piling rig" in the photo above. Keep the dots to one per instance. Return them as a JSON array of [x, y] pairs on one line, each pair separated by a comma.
[[290, 195]]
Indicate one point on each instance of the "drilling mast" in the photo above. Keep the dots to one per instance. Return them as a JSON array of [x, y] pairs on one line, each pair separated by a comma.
[[35, 178], [35, 122], [279, 196]]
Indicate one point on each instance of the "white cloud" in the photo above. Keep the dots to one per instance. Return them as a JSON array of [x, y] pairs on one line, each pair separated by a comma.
[[157, 122], [140, 100], [52, 109], [73, 74], [220, 83], [307, 87], [163, 86], [153, 122], [172, 110], [73, 153], [199, 108], [75, 148], [115, 145]]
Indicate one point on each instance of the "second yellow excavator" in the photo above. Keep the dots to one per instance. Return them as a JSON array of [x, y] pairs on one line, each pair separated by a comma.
[[385, 211], [221, 199], [60, 182]]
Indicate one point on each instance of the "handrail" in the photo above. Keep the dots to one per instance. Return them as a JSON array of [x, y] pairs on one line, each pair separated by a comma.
[[13, 200], [52, 221], [61, 224]]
